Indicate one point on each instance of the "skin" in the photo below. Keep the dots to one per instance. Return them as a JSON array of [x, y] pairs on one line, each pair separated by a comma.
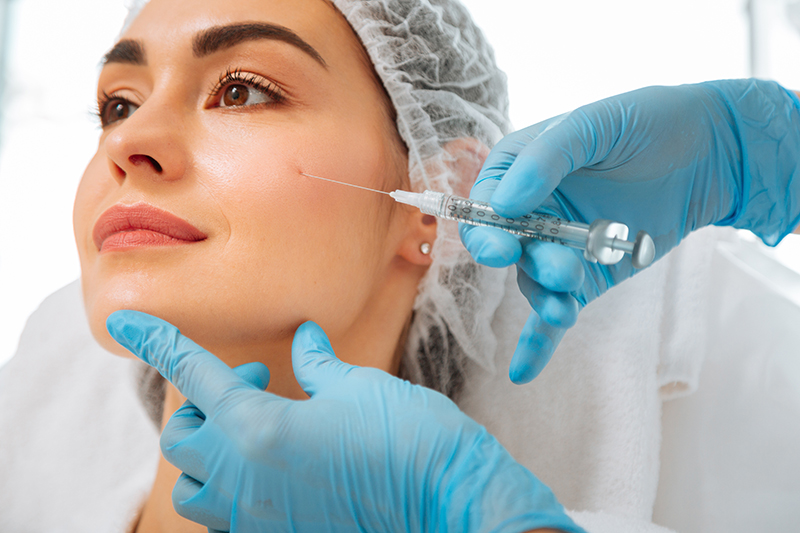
[[281, 248]]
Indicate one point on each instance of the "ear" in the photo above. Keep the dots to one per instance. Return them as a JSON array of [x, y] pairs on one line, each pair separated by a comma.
[[421, 230], [464, 157]]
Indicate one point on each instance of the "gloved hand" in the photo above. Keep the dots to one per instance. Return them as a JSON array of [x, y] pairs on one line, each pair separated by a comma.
[[666, 160], [367, 452]]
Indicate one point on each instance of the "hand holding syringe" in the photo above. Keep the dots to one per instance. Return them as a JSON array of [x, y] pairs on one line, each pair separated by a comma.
[[602, 241]]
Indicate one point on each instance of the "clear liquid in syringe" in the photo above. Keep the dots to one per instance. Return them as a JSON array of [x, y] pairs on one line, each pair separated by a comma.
[[535, 225]]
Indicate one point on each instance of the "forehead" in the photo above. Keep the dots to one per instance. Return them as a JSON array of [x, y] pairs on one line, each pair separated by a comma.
[[168, 23]]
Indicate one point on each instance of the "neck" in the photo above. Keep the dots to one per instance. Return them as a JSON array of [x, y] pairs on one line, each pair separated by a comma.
[[158, 515]]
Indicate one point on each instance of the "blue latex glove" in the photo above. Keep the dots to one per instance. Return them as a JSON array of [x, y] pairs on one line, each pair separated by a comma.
[[666, 160], [367, 452]]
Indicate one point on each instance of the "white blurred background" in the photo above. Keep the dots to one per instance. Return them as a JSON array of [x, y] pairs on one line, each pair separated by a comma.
[[558, 55]]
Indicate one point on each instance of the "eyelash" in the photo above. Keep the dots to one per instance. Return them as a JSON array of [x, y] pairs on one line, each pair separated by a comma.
[[231, 76]]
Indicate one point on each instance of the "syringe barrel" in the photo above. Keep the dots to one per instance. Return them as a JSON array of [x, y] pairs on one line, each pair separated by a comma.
[[534, 225]]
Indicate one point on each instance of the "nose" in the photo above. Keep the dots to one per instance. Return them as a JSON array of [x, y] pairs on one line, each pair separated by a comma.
[[149, 144]]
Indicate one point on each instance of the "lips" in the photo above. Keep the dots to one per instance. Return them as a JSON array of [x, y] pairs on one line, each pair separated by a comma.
[[141, 225]]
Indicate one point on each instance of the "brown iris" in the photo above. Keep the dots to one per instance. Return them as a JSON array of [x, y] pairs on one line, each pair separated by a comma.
[[116, 110], [235, 95]]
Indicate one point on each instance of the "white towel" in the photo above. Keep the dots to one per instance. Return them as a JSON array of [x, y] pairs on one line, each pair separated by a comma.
[[77, 450], [730, 460], [590, 425]]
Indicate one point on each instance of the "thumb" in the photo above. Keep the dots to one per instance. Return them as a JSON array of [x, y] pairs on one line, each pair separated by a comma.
[[537, 342], [255, 373], [188, 419], [315, 365]]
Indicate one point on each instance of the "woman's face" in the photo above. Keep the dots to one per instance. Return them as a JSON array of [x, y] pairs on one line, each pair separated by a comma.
[[211, 112]]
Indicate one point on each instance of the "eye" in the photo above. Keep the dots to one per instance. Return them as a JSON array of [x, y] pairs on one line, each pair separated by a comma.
[[113, 108], [242, 95], [239, 89]]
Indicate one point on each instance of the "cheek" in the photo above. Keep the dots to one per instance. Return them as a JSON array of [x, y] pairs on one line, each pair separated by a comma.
[[286, 248], [296, 244], [260, 186]]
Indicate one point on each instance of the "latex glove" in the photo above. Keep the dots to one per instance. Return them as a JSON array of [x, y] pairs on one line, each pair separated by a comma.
[[666, 160], [367, 452]]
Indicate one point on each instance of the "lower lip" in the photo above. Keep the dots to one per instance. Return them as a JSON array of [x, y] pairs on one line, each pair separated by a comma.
[[127, 240]]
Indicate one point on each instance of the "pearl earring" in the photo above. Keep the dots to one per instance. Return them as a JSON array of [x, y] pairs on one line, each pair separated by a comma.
[[425, 248]]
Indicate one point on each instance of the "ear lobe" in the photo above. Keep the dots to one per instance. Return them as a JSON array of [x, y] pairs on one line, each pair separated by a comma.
[[422, 230], [467, 156]]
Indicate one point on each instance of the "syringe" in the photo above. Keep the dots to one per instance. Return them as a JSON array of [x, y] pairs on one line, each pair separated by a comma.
[[602, 241]]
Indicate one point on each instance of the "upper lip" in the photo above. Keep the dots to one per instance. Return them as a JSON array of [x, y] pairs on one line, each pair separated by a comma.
[[142, 216]]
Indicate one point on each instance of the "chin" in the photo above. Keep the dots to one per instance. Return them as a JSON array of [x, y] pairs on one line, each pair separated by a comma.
[[102, 299], [98, 310], [206, 317]]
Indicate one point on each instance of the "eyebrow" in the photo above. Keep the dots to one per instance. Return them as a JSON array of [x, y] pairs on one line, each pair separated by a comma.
[[220, 37], [126, 51], [207, 42]]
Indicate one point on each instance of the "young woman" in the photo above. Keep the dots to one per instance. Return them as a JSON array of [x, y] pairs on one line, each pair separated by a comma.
[[199, 206]]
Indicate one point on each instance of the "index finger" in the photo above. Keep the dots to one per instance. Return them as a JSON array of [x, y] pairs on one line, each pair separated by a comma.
[[198, 374], [497, 163], [572, 141], [503, 156]]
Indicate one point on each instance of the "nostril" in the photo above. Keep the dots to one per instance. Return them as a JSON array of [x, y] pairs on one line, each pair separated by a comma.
[[139, 159]]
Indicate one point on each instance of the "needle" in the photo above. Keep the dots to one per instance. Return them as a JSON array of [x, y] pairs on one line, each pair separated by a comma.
[[343, 183]]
